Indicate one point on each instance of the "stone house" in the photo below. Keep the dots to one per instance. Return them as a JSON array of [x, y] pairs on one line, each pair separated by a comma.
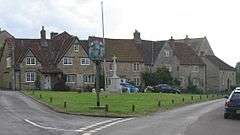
[[47, 61], [3, 36], [183, 63], [219, 75]]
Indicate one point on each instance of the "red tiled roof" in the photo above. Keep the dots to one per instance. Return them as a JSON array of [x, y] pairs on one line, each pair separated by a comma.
[[185, 54]]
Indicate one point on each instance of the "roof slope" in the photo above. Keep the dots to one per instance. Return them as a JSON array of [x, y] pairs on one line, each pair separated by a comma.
[[219, 63], [49, 56], [151, 50], [124, 49], [185, 54]]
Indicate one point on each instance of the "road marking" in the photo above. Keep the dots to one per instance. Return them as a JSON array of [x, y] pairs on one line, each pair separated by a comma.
[[78, 130], [106, 126]]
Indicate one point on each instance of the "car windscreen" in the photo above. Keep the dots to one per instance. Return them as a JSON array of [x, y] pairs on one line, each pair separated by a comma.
[[235, 95]]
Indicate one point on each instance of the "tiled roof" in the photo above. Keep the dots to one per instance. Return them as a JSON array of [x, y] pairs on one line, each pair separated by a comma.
[[219, 63], [185, 54], [49, 56], [151, 50], [124, 49]]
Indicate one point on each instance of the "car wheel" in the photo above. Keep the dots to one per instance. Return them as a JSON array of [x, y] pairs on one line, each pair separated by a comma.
[[226, 115]]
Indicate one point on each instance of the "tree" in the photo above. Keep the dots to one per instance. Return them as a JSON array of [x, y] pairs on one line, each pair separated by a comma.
[[238, 73], [161, 76]]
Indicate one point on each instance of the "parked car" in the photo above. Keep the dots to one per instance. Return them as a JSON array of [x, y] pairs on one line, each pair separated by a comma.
[[165, 88], [127, 87], [232, 104]]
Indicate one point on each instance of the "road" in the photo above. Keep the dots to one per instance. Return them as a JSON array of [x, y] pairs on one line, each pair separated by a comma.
[[19, 115]]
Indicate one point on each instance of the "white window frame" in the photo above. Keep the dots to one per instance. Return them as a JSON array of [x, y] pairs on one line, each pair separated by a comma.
[[195, 69], [195, 82], [71, 78], [136, 66], [31, 61], [69, 61], [89, 78], [30, 76], [8, 62], [85, 61], [137, 81], [76, 47], [166, 53]]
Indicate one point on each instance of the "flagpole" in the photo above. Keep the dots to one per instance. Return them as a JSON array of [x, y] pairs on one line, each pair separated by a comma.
[[103, 37]]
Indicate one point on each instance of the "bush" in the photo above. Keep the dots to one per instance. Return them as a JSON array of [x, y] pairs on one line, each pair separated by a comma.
[[61, 86]]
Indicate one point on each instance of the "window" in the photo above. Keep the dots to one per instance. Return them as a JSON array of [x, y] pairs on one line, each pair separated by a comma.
[[195, 82], [8, 62], [30, 61], [195, 69], [76, 47], [168, 67], [166, 53], [30, 76], [85, 61], [67, 61], [89, 78], [136, 67], [71, 78], [137, 81]]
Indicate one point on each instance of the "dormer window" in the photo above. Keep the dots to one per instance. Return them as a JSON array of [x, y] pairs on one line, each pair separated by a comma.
[[30, 61], [67, 61], [166, 53], [76, 47]]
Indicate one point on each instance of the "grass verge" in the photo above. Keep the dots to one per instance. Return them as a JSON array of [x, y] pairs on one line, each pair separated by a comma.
[[119, 105]]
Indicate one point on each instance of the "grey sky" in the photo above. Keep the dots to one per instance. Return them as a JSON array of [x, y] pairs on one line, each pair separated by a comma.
[[155, 19]]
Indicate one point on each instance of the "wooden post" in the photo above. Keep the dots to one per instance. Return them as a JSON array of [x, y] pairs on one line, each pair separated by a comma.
[[183, 100], [106, 108], [159, 103], [65, 104], [133, 108], [40, 96], [172, 101], [50, 99]]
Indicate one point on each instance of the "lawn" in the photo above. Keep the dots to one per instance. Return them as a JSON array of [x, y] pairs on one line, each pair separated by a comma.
[[119, 104]]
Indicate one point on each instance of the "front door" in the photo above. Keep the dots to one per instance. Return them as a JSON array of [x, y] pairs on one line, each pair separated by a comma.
[[47, 82]]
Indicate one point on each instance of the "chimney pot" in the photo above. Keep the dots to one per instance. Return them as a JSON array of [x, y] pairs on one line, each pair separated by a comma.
[[43, 33], [53, 34], [137, 37]]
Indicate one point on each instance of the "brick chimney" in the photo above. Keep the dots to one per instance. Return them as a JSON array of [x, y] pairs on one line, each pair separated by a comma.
[[53, 34], [137, 37], [43, 37], [171, 40]]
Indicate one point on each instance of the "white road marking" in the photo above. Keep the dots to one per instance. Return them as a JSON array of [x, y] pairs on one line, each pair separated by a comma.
[[78, 130], [106, 126]]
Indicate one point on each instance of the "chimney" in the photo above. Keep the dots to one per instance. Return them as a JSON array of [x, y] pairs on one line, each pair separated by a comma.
[[137, 37], [171, 40], [43, 33], [53, 34], [187, 40], [43, 37]]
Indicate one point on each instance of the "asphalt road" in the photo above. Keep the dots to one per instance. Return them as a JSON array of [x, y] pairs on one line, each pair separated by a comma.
[[19, 115]]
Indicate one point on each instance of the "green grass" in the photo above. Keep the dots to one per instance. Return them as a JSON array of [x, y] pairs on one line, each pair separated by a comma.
[[119, 104]]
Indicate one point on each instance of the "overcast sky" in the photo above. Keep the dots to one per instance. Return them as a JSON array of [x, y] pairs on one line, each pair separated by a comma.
[[219, 20]]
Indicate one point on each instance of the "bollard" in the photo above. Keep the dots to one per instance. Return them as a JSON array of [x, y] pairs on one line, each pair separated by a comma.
[[65, 104], [106, 108], [133, 108], [192, 97], [40, 96], [207, 96], [159, 103], [183, 100], [200, 97], [50, 99], [172, 101]]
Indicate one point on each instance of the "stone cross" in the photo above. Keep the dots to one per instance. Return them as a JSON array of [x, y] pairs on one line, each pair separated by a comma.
[[114, 66]]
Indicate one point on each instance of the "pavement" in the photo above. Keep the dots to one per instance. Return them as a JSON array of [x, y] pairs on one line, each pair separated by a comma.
[[20, 115]]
